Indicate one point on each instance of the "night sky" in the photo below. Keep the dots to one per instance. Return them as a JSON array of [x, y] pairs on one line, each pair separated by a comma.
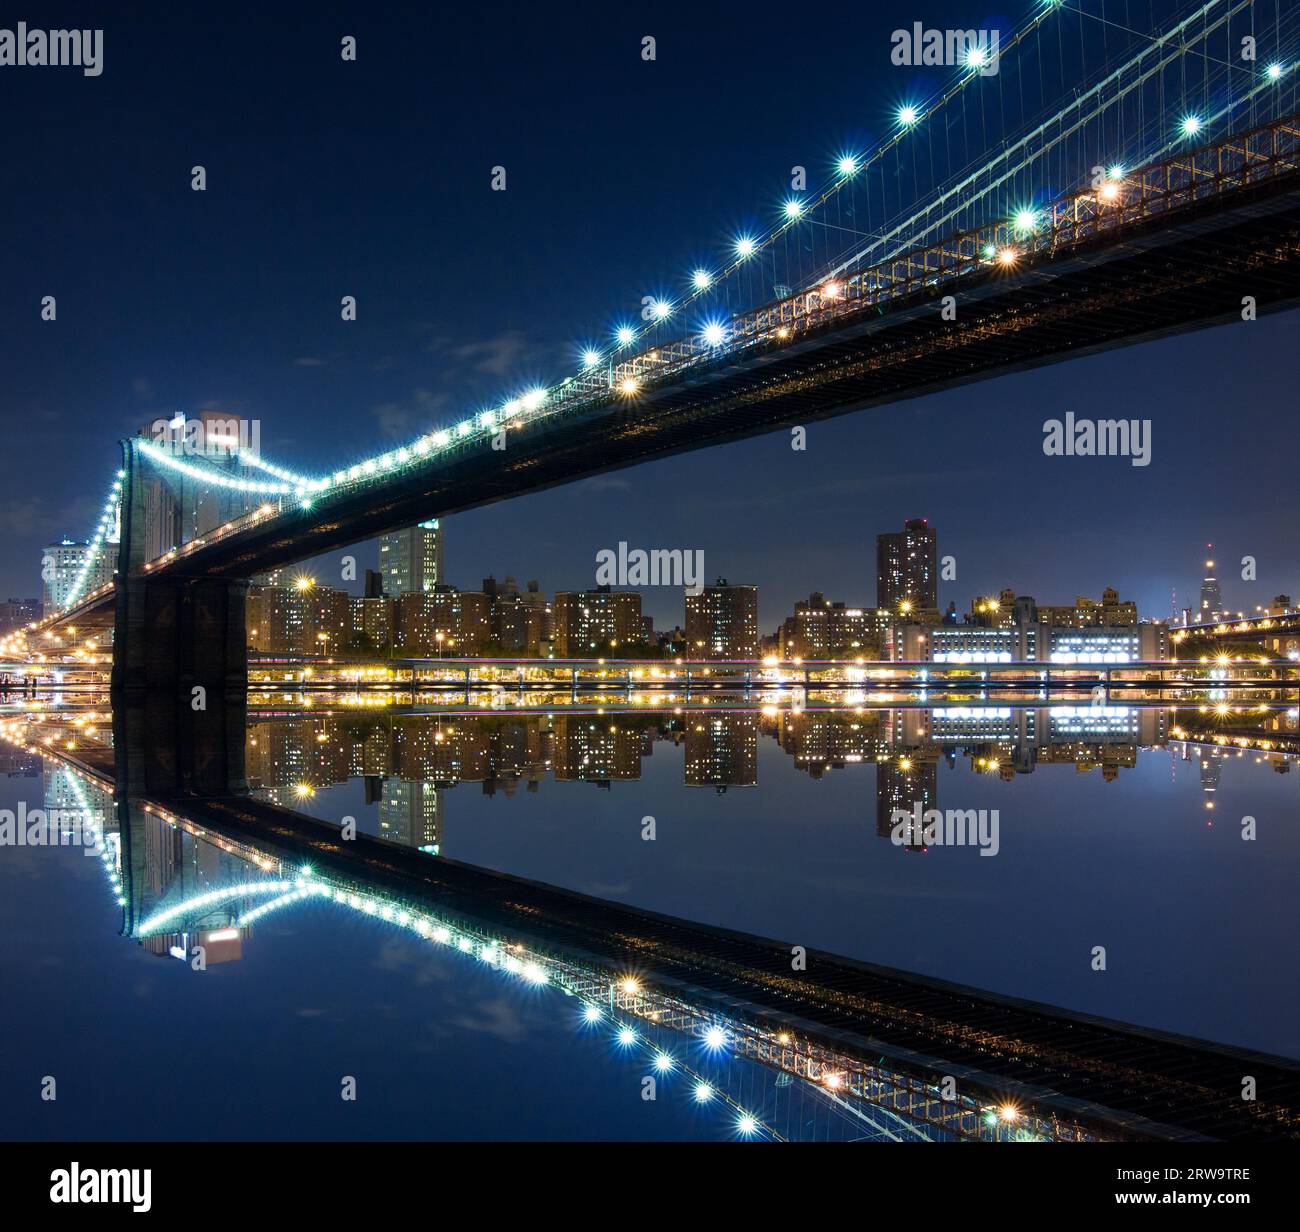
[[371, 178]]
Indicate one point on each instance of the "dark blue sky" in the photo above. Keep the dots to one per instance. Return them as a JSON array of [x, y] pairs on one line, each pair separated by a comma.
[[372, 179]]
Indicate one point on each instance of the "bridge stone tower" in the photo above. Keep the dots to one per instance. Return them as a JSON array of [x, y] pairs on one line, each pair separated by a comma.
[[177, 631]]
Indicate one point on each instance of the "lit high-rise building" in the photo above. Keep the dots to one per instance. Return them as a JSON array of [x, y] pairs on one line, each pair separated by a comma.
[[507, 615], [300, 619], [907, 568], [591, 622], [410, 561], [722, 622], [822, 630], [1211, 596], [442, 620], [61, 565]]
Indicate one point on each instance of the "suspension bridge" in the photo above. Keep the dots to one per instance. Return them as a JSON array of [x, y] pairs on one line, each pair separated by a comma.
[[1109, 185]]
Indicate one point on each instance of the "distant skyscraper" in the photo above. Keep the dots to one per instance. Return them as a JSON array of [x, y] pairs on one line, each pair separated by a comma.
[[61, 564], [1211, 596], [411, 560], [907, 567], [722, 622]]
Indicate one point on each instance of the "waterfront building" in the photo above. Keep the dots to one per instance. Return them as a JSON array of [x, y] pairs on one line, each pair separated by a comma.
[[822, 630], [722, 622], [596, 622], [442, 621]]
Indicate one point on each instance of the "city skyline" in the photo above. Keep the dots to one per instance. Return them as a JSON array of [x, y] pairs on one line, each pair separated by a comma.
[[656, 600]]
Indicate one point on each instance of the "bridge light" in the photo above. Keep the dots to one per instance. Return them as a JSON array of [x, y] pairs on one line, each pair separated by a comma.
[[663, 1063], [442, 439], [701, 280], [535, 973], [848, 165], [590, 358], [1274, 72], [591, 1013], [908, 115], [533, 399], [745, 247], [793, 208], [715, 1037], [1026, 220], [629, 386], [630, 985], [746, 1125], [1190, 126], [703, 1092], [464, 428], [976, 57], [1108, 192], [714, 334], [1008, 256], [627, 1037], [487, 419], [1009, 1112], [660, 309], [625, 335]]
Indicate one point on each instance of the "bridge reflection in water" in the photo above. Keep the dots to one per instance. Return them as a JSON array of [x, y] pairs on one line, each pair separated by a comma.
[[842, 1048]]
